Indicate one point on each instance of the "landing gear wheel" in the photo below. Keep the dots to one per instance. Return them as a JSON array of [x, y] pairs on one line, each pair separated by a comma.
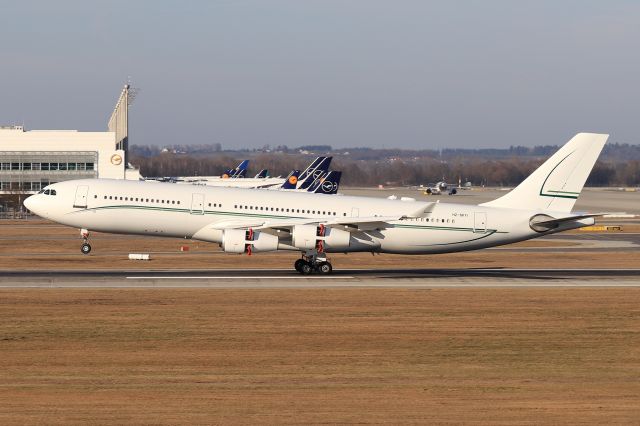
[[325, 268], [306, 268], [298, 264], [85, 248]]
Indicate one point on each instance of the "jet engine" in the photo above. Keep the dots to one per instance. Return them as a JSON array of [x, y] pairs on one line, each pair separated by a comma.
[[308, 237], [248, 241], [336, 239], [233, 240], [304, 236], [261, 241]]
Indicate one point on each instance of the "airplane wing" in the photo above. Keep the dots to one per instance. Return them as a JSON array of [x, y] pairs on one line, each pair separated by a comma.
[[548, 223], [352, 224]]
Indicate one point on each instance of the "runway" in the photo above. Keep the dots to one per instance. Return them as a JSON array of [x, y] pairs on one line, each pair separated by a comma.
[[286, 278]]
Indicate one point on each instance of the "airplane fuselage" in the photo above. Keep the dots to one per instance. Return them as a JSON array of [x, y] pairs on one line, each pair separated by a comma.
[[192, 212]]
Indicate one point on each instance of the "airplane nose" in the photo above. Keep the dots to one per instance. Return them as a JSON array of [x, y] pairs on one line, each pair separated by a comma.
[[28, 202], [31, 203]]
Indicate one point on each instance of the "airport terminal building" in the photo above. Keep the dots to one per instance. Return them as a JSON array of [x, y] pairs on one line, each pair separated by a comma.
[[33, 159]]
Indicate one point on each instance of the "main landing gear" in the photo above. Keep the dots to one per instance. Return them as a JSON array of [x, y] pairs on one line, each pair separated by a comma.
[[85, 248], [313, 262]]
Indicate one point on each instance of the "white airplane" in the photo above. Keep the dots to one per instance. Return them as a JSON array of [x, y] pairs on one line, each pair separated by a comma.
[[251, 220], [438, 188]]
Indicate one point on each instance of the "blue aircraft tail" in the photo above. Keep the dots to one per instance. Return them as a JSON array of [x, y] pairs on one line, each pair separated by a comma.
[[291, 181], [327, 184], [318, 168], [239, 172], [264, 173]]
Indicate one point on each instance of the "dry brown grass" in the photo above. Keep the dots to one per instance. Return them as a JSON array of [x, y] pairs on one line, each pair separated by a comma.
[[43, 245], [162, 356]]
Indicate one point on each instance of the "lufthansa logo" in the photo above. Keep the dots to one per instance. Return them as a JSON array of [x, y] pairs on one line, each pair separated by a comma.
[[293, 180], [116, 159], [328, 186]]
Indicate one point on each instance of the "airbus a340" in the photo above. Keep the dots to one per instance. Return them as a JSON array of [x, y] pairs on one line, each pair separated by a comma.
[[254, 220]]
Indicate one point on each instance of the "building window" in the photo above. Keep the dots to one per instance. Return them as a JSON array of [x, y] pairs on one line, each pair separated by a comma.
[[89, 166]]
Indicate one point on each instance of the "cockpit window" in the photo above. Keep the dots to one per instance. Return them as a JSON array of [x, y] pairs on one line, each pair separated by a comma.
[[53, 192], [48, 192]]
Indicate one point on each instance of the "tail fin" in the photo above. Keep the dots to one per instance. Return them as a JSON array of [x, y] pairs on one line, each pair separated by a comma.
[[241, 170], [319, 167], [326, 185], [557, 183], [291, 181], [264, 173]]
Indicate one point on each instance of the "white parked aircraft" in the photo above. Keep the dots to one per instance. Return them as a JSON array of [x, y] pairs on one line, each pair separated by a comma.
[[438, 188], [250, 220]]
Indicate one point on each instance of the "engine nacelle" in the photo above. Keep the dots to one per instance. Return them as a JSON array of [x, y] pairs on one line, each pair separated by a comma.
[[336, 239], [233, 240], [263, 242], [248, 241], [304, 236]]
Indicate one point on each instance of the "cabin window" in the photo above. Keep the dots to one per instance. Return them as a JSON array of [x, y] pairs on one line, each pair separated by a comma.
[[110, 197], [178, 202], [173, 201], [105, 197], [209, 204]]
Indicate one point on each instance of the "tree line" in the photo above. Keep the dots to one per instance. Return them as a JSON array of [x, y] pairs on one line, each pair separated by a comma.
[[388, 171]]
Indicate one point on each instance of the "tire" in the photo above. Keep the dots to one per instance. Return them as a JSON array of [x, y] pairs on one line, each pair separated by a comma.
[[85, 248], [325, 268], [306, 269], [298, 264]]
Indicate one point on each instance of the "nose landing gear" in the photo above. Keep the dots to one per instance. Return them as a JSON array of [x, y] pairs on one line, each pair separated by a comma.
[[85, 248], [313, 262]]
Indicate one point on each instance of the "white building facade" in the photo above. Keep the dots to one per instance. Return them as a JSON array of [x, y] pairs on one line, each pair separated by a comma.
[[31, 160]]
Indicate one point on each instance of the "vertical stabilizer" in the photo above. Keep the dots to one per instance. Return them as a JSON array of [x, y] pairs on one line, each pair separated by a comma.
[[556, 184]]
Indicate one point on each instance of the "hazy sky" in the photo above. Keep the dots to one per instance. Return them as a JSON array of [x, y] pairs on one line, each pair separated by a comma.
[[421, 74]]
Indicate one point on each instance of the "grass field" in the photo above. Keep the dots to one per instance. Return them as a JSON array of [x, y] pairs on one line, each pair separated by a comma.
[[168, 356], [29, 245]]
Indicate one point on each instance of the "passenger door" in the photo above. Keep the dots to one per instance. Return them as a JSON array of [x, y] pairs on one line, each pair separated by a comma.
[[197, 204], [80, 201], [355, 212], [480, 222]]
